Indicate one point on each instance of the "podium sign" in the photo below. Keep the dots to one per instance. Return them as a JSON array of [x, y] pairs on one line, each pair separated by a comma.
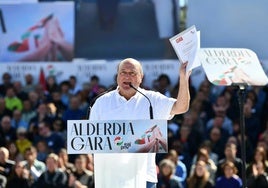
[[116, 136], [227, 66]]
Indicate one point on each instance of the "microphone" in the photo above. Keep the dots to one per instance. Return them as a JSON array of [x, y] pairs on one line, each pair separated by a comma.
[[150, 108]]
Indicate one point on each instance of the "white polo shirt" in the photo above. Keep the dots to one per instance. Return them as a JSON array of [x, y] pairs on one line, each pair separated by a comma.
[[128, 169]]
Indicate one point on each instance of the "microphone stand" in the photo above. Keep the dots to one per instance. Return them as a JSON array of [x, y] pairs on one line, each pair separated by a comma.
[[2, 22], [241, 97], [150, 107]]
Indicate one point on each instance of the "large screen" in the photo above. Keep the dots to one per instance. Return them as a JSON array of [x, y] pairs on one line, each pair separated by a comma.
[[37, 32]]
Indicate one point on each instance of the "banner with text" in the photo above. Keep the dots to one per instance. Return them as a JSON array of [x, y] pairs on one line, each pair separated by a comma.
[[116, 136], [227, 66]]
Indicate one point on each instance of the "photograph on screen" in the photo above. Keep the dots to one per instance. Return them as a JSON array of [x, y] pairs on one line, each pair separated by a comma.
[[42, 32]]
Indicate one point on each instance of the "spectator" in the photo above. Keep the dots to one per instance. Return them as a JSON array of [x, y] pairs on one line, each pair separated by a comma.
[[19, 177], [42, 150], [6, 83], [163, 85], [252, 122], [22, 141], [17, 120], [180, 168], [34, 166], [22, 95], [230, 155], [203, 155], [64, 90], [7, 132], [28, 112], [53, 177], [60, 106], [81, 177], [14, 154], [34, 99], [259, 178], [74, 87], [207, 146], [12, 101], [200, 177], [229, 179], [6, 164], [29, 83], [51, 84], [73, 112], [259, 156], [3, 110], [54, 141], [217, 141], [64, 163], [166, 176], [42, 115]]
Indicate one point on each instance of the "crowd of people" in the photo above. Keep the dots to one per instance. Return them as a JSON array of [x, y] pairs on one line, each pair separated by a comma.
[[204, 143]]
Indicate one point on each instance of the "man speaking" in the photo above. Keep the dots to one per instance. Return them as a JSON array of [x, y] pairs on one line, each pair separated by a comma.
[[130, 102]]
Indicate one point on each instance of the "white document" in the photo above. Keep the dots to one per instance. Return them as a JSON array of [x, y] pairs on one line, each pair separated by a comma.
[[186, 45]]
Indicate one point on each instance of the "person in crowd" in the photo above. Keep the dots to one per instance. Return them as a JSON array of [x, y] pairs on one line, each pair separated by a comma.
[[54, 141], [74, 87], [22, 95], [217, 141], [230, 155], [73, 112], [7, 132], [259, 177], [81, 177], [17, 120], [126, 103], [208, 146], [34, 166], [229, 179], [90, 162], [22, 141], [14, 154], [6, 164], [60, 106], [12, 101], [3, 110], [34, 98], [28, 111], [203, 155], [163, 85], [180, 168], [260, 155], [29, 83], [166, 176], [6, 83], [51, 84], [42, 150], [64, 163], [200, 177], [19, 177], [64, 91], [252, 122], [42, 115], [53, 177]]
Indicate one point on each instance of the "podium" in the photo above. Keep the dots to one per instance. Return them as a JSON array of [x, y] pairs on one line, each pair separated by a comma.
[[234, 67], [120, 148]]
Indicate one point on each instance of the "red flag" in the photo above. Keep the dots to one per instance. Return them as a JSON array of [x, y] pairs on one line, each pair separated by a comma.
[[42, 79]]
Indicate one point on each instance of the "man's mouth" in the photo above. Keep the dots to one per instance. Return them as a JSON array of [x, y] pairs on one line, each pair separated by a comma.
[[127, 83]]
